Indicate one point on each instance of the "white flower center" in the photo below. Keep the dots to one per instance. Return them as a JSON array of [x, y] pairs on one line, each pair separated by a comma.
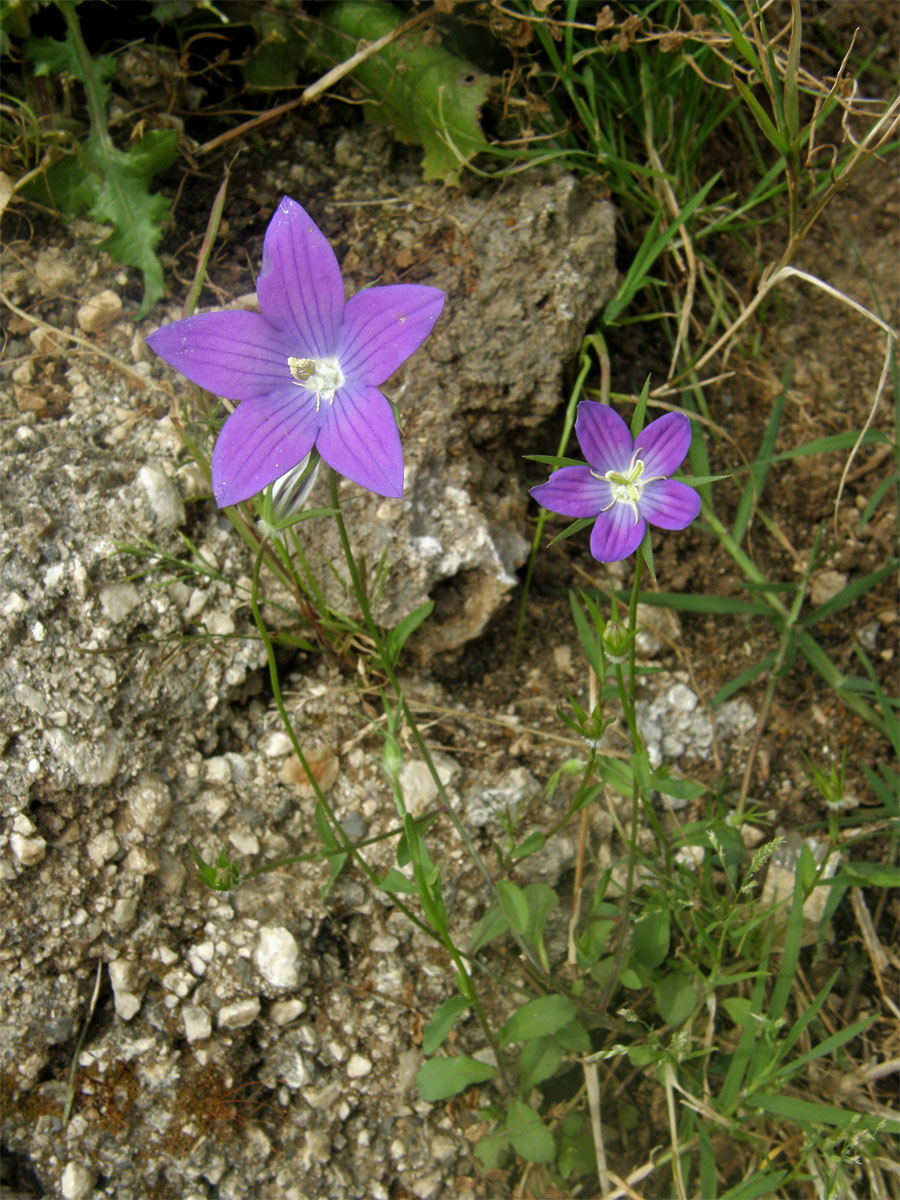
[[320, 375], [627, 487]]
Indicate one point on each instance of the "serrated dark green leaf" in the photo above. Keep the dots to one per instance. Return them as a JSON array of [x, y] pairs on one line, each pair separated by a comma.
[[112, 184], [422, 91]]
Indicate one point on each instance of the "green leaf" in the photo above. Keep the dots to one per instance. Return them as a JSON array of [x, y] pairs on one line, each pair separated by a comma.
[[514, 905], [273, 64], [534, 842], [441, 1078], [491, 926], [538, 1018], [765, 1183], [867, 874], [651, 939], [574, 1037], [738, 1009], [398, 636], [323, 828], [112, 184], [675, 998], [541, 900], [493, 1149], [442, 1022], [530, 1137], [422, 91], [539, 1061], [806, 1111], [396, 882]]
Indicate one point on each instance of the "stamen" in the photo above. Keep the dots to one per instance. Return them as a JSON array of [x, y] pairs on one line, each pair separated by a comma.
[[323, 376]]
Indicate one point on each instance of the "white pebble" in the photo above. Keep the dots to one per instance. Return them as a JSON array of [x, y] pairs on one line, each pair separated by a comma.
[[277, 957]]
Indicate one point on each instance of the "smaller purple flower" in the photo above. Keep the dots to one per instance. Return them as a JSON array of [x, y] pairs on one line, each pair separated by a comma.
[[306, 367], [625, 483]]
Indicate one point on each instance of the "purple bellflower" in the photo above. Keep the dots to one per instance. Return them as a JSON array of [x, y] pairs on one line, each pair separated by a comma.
[[625, 483], [306, 368]]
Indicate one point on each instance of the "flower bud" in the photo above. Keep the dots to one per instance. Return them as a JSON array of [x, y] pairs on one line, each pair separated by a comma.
[[391, 758], [289, 493], [616, 640]]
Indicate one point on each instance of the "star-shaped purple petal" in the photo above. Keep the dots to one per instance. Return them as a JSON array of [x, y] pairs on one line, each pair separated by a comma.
[[625, 484], [306, 368]]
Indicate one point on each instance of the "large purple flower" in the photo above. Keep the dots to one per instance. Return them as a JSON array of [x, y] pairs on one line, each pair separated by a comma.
[[625, 483], [307, 369]]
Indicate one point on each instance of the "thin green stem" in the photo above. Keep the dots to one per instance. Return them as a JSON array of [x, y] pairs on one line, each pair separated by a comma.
[[465, 980], [346, 844]]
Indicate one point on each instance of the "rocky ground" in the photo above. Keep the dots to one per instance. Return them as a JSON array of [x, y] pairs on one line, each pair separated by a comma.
[[264, 1043]]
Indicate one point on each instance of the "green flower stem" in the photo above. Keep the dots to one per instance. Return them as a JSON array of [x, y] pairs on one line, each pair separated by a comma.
[[465, 980], [599, 345], [387, 666], [291, 859], [346, 844]]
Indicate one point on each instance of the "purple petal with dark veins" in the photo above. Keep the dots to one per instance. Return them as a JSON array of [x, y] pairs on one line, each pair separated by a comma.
[[669, 503], [262, 440], [664, 443], [573, 492], [300, 289], [359, 438], [234, 354], [383, 326], [616, 534], [603, 436]]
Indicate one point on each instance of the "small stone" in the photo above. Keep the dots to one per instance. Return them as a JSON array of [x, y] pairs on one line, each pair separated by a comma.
[[277, 957], [275, 744], [124, 912], [149, 803], [45, 341], [418, 786], [118, 600], [127, 1005], [31, 699], [94, 763], [77, 1182], [218, 770], [245, 843], [124, 977], [682, 698], [163, 498], [826, 585], [53, 273], [283, 1012], [30, 399], [355, 826], [239, 1014], [24, 372], [99, 312], [197, 1022], [139, 350], [28, 850], [102, 848], [139, 861], [358, 1067]]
